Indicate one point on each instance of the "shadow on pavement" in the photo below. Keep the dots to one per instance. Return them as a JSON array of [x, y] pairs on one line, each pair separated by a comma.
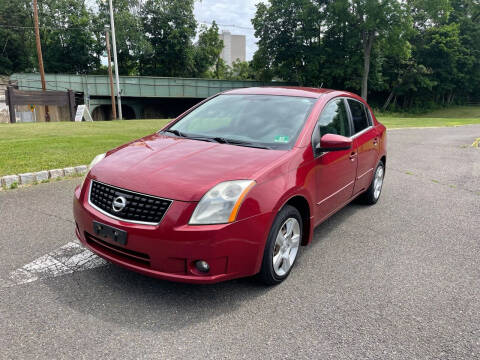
[[125, 298]]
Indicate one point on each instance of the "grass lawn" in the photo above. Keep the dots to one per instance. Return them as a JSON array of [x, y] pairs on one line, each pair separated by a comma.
[[44, 146], [399, 122], [453, 116]]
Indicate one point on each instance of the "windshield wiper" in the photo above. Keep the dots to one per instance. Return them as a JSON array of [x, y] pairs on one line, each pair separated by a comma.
[[191, 137], [176, 132], [240, 143], [220, 140]]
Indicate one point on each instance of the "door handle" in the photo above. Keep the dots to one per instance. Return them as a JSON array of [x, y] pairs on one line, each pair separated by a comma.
[[352, 156], [375, 141]]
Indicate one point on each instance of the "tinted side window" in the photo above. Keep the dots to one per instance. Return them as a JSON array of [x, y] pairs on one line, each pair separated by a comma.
[[359, 115], [334, 119]]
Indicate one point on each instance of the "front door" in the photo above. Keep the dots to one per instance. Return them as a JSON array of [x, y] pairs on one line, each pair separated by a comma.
[[335, 170], [366, 142]]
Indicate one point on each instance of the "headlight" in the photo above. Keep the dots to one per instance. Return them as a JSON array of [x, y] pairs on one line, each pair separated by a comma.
[[94, 162], [220, 204]]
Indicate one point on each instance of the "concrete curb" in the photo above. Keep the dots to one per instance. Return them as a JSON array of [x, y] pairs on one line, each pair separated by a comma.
[[12, 181]]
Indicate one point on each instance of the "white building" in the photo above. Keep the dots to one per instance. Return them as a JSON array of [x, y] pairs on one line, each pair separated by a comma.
[[234, 47]]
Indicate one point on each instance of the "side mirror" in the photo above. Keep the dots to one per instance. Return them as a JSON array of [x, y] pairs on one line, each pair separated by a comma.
[[332, 142]]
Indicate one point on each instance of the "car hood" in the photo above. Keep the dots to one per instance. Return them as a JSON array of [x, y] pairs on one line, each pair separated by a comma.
[[179, 168]]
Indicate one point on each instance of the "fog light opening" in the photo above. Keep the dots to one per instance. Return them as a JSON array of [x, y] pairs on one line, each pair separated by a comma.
[[202, 266]]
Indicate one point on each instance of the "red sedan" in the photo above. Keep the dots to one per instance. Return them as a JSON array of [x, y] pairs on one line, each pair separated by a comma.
[[234, 186]]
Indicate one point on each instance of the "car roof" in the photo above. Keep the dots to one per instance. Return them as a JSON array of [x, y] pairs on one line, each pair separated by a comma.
[[281, 91]]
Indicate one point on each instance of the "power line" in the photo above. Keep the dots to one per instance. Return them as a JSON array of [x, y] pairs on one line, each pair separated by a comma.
[[41, 27], [225, 25], [203, 22], [94, 30]]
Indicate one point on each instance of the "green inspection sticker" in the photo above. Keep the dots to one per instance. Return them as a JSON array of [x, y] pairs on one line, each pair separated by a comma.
[[281, 139]]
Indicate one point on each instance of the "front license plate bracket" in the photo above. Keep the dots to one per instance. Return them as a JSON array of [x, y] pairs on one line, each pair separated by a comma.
[[105, 231]]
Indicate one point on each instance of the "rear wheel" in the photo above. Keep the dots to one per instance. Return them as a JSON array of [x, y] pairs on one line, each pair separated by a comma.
[[282, 246], [372, 194]]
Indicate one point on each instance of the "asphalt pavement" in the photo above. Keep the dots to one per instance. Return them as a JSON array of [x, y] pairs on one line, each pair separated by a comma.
[[398, 280]]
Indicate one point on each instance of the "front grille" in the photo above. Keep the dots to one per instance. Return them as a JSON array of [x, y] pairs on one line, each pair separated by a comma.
[[139, 208], [117, 251]]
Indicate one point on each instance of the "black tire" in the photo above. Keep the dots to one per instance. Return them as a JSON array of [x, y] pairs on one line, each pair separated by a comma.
[[368, 197], [267, 274]]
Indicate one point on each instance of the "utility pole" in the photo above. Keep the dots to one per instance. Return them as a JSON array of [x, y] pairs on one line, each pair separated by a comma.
[[112, 92], [117, 78], [39, 54]]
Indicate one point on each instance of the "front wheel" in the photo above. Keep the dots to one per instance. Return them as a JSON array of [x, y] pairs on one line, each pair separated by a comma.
[[372, 194], [282, 246]]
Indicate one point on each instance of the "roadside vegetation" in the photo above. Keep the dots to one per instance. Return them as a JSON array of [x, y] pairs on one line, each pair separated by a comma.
[[44, 146], [452, 116], [405, 55], [402, 122]]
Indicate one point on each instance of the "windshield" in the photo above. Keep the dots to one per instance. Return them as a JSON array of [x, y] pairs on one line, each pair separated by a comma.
[[247, 120]]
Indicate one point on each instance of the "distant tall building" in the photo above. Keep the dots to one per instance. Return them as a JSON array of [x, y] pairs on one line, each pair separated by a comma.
[[234, 47]]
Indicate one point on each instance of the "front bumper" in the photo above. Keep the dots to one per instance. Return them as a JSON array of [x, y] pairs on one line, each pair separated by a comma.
[[168, 250]]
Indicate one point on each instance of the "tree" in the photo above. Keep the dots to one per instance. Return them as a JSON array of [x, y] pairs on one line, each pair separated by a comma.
[[429, 13], [242, 70], [68, 43], [131, 41], [373, 21], [466, 13], [262, 66], [444, 53], [207, 50], [340, 56], [220, 70], [170, 28], [409, 53], [16, 36], [289, 39], [409, 80], [312, 41]]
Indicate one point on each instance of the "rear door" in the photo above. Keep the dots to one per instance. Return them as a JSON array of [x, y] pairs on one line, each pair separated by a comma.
[[335, 170], [366, 142]]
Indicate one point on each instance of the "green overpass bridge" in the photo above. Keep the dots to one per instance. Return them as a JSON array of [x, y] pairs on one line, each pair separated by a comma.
[[142, 96]]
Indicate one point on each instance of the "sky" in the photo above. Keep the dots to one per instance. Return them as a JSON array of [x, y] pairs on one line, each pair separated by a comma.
[[235, 13]]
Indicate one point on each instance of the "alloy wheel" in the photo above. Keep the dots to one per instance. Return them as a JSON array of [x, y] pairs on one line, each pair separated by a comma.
[[378, 182], [286, 246]]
